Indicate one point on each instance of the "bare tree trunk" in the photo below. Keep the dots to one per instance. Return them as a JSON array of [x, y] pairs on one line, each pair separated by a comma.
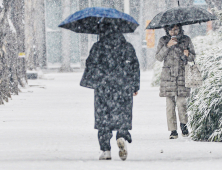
[[39, 27], [4, 69], [66, 40], [35, 34], [18, 21], [12, 49], [6, 58], [83, 38], [29, 33]]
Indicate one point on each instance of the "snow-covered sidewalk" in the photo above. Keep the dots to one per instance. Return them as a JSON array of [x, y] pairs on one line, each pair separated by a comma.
[[50, 127]]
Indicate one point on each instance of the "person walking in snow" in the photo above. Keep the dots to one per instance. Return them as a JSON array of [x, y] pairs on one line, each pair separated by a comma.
[[112, 70], [175, 49]]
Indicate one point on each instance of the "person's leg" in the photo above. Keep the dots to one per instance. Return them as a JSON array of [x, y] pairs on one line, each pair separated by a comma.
[[104, 137], [123, 133], [122, 136], [182, 112], [182, 109], [171, 114]]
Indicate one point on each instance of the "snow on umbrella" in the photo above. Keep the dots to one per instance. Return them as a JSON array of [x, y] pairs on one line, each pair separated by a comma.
[[180, 15], [88, 20]]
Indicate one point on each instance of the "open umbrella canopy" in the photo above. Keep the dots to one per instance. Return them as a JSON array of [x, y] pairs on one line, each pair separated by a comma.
[[88, 20], [181, 15]]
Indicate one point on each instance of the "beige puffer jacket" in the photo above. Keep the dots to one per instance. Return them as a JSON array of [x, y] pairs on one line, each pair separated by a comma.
[[173, 71]]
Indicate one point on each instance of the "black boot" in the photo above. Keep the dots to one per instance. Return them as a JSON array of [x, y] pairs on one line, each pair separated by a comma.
[[185, 132], [173, 135]]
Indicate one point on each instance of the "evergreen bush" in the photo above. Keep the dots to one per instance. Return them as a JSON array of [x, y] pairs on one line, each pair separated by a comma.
[[205, 103]]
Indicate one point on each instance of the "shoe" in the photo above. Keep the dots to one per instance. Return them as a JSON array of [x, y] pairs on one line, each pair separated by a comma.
[[121, 142], [185, 132], [126, 135], [106, 155], [173, 135]]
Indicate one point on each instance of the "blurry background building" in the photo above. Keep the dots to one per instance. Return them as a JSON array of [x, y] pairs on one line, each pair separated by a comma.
[[66, 50]]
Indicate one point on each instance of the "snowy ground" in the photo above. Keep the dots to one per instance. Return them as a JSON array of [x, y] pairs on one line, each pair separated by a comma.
[[50, 127]]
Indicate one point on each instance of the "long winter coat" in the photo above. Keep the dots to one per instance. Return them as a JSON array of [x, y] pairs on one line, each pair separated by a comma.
[[112, 70], [173, 71]]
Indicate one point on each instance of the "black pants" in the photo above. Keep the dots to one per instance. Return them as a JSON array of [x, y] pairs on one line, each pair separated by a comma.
[[104, 136]]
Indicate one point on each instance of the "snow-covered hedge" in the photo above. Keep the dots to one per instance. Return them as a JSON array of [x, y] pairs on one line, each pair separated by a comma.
[[205, 103], [218, 13]]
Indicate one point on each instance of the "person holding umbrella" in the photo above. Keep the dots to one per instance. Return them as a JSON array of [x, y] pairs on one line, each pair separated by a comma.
[[176, 49], [112, 70]]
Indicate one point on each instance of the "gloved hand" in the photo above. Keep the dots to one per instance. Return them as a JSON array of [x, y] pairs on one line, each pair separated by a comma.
[[184, 59]]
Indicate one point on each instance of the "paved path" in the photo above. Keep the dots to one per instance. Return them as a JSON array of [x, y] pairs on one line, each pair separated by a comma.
[[50, 127]]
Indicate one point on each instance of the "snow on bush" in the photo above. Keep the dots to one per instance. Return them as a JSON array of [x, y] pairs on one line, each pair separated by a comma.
[[218, 13], [205, 103]]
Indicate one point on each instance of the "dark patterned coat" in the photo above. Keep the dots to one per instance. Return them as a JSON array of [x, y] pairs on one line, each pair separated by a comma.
[[112, 70], [172, 81]]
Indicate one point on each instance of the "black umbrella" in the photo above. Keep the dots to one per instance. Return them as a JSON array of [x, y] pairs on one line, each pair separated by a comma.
[[181, 15]]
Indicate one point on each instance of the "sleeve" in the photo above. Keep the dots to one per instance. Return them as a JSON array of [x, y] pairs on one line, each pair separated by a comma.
[[192, 54], [93, 72], [162, 50], [135, 68]]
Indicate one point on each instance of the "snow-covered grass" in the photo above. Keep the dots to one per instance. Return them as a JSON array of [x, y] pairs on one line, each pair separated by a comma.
[[50, 126]]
